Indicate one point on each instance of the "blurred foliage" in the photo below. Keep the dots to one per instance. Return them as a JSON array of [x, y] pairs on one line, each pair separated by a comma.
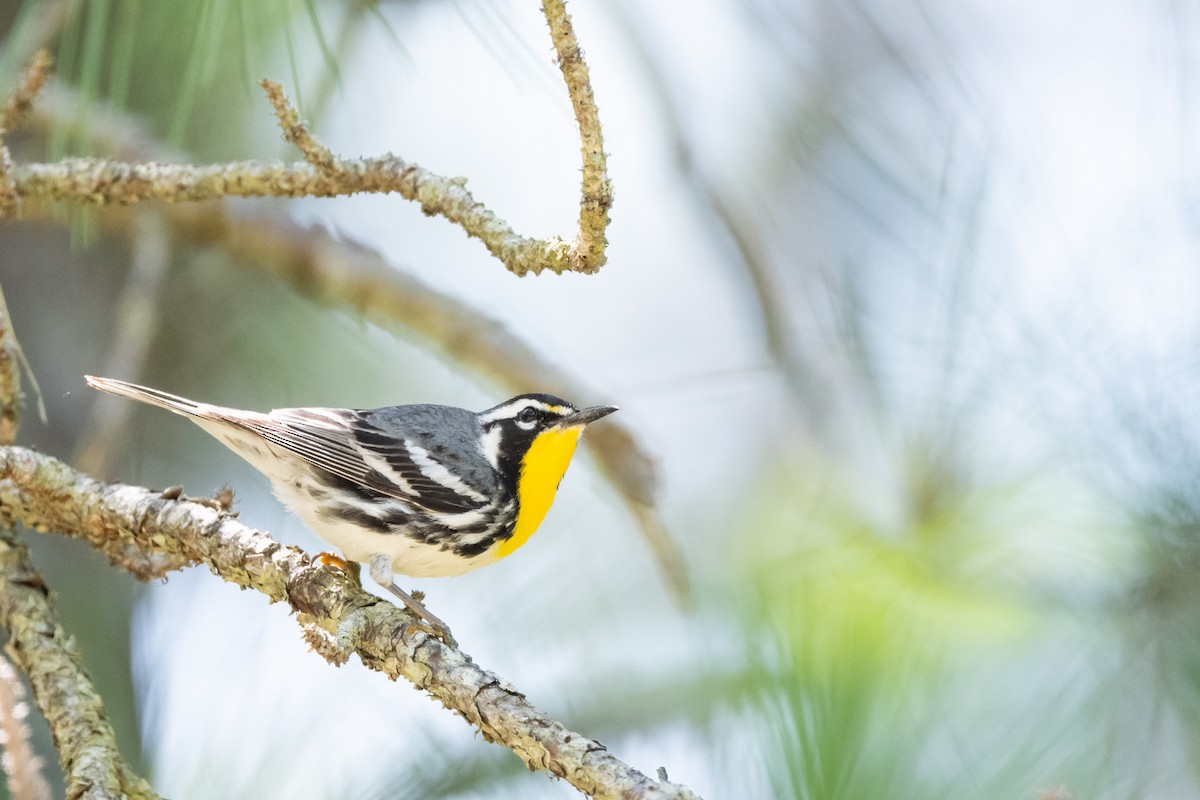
[[853, 626], [932, 652], [215, 50]]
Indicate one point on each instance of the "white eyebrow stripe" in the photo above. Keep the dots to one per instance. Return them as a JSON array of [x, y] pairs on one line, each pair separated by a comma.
[[510, 409]]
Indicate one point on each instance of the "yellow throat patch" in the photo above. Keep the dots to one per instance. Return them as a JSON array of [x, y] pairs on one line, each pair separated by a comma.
[[542, 469]]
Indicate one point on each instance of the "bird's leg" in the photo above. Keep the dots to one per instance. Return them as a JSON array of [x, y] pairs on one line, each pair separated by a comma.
[[380, 567]]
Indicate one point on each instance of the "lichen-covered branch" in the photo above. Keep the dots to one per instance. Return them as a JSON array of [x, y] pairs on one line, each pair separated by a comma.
[[99, 181], [13, 113], [597, 195], [294, 131], [22, 766], [86, 744], [19, 103], [340, 618]]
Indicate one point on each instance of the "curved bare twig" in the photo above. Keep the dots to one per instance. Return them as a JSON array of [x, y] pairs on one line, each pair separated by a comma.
[[597, 194], [99, 181]]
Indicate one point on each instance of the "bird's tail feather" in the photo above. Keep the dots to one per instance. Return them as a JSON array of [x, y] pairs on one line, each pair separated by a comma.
[[180, 405]]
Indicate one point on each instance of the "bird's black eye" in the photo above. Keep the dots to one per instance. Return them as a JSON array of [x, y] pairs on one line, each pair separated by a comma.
[[528, 414]]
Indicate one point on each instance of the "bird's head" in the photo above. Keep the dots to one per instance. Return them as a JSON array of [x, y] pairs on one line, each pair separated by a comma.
[[522, 432], [530, 440]]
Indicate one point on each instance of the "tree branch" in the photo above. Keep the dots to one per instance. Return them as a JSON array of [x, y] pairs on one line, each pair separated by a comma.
[[17, 108], [11, 115], [294, 131], [98, 181], [338, 616], [86, 743], [597, 194], [22, 766]]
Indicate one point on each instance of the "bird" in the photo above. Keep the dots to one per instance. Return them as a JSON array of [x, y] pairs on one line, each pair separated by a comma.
[[421, 490]]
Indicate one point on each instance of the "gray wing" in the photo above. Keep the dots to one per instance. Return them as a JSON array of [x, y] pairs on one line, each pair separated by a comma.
[[435, 449], [411, 453]]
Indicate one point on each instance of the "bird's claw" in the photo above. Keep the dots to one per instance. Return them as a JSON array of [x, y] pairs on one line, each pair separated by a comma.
[[437, 632]]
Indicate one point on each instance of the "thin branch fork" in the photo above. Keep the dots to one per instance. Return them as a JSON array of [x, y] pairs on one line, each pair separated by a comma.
[[339, 617]]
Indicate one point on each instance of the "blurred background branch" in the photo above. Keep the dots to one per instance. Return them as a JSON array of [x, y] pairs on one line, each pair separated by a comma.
[[10, 376], [137, 319]]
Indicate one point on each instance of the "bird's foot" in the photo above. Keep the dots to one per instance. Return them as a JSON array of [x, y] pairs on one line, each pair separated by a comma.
[[352, 568]]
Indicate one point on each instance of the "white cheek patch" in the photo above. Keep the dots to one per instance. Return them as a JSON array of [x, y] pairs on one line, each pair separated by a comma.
[[491, 446]]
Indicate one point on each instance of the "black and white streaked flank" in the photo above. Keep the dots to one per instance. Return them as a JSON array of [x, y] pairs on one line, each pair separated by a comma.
[[436, 489]]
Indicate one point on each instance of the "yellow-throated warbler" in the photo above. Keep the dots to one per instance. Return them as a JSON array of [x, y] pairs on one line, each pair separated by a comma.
[[423, 490]]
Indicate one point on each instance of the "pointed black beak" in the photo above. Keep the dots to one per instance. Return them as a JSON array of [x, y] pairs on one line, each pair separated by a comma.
[[586, 416]]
